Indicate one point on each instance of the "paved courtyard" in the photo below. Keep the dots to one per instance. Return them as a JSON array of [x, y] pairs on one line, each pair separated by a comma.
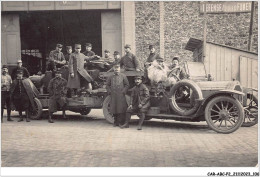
[[89, 141]]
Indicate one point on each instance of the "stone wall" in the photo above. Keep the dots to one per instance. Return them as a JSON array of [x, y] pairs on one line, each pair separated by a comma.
[[147, 27], [182, 21]]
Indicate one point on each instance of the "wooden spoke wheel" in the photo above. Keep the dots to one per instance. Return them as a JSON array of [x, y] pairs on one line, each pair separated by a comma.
[[224, 114], [251, 111], [38, 110]]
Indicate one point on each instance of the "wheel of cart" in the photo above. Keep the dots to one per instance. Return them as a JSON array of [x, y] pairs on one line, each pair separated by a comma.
[[224, 114], [251, 111], [36, 115], [106, 109]]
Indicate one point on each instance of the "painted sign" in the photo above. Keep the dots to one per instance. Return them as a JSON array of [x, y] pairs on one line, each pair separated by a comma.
[[225, 7]]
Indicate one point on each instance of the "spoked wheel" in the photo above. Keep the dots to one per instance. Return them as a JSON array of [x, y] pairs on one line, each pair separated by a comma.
[[106, 110], [224, 114], [38, 110], [251, 111], [251, 116]]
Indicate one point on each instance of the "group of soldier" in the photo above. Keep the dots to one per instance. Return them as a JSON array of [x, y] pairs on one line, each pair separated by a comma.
[[117, 85]]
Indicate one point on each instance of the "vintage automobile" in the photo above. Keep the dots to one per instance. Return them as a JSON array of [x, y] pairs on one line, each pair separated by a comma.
[[219, 103]]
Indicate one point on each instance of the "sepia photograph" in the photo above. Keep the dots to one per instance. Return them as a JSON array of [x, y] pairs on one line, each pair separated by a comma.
[[130, 84]]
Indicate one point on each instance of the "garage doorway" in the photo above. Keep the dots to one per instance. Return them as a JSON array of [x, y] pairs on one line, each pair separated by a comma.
[[41, 31]]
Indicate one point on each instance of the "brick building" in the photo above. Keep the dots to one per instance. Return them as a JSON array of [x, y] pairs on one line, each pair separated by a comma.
[[31, 28]]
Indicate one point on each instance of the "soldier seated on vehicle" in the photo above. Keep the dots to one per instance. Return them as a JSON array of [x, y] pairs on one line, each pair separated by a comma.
[[176, 72], [139, 102], [56, 58], [57, 90], [116, 60]]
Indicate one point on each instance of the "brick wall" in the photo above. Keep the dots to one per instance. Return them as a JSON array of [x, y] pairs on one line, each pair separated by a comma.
[[182, 21]]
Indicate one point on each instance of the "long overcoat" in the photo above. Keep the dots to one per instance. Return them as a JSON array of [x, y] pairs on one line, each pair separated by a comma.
[[76, 66], [117, 86]]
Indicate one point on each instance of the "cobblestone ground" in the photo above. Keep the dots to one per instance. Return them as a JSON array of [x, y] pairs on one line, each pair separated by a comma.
[[89, 141]]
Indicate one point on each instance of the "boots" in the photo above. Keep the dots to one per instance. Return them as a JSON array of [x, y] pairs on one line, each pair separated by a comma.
[[141, 121], [115, 121], [20, 116], [64, 114], [27, 116], [9, 115], [50, 118], [127, 120]]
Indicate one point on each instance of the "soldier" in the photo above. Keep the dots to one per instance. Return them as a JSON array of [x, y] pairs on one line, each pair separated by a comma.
[[22, 95], [78, 75], [153, 55], [57, 90], [139, 102], [108, 58], [116, 61], [56, 58], [129, 60], [89, 52], [176, 70], [26, 73], [6, 82], [117, 86], [67, 55]]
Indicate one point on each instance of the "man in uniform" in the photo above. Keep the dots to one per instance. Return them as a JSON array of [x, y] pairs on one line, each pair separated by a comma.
[[108, 58], [116, 61], [56, 58], [117, 86], [129, 60], [67, 55], [57, 90], [176, 70], [22, 95], [78, 75], [26, 73], [6, 82], [139, 102], [153, 55], [89, 52]]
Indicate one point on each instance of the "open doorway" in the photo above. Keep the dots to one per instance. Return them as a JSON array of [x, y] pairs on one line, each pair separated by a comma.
[[41, 31]]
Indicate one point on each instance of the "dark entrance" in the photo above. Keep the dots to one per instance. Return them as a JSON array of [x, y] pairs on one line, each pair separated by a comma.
[[41, 31]]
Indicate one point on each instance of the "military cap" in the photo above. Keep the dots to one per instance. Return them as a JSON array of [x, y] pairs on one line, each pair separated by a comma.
[[59, 45], [68, 47], [19, 61], [88, 45], [4, 66], [107, 51], [159, 59], [138, 77], [116, 66], [127, 46], [175, 58], [19, 71], [116, 53], [151, 46], [77, 46]]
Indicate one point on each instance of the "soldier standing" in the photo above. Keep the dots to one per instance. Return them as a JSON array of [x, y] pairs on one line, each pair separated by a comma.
[[22, 95], [152, 56], [116, 61], [26, 73], [56, 58], [129, 60], [139, 102], [6, 82], [117, 86], [67, 55], [78, 75], [57, 90], [89, 52]]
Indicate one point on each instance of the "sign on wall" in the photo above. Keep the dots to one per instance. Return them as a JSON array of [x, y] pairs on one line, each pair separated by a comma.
[[225, 7]]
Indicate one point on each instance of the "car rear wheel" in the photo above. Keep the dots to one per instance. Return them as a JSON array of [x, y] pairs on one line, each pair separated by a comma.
[[38, 110], [224, 114]]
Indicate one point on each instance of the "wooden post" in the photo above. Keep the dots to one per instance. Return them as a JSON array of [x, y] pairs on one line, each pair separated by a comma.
[[250, 40], [204, 34]]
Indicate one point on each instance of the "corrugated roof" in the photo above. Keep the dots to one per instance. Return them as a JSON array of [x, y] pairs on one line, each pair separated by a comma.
[[194, 43]]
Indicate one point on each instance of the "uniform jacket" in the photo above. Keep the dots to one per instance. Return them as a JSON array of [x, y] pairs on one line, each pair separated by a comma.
[[89, 53], [140, 95], [130, 62], [57, 56], [67, 58], [30, 89], [26, 73], [76, 66], [117, 86], [6, 82], [152, 57], [57, 87], [179, 72]]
